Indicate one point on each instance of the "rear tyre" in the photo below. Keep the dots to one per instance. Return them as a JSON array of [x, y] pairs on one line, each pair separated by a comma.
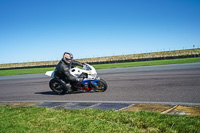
[[56, 87], [101, 86]]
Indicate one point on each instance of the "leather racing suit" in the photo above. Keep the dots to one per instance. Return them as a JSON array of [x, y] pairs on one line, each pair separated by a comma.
[[63, 75]]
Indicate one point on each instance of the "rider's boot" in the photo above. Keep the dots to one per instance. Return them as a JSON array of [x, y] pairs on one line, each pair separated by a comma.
[[66, 85], [68, 88], [73, 86]]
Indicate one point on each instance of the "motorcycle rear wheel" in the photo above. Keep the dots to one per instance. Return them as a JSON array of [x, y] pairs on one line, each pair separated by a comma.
[[56, 87], [101, 86]]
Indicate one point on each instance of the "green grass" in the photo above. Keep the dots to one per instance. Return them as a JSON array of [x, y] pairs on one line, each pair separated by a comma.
[[104, 66], [25, 71], [43, 120], [147, 63]]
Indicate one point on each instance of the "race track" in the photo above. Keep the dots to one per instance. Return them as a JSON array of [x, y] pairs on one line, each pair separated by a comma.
[[150, 84]]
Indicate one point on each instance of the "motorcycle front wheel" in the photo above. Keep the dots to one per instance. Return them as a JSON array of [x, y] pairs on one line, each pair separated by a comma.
[[56, 86], [101, 86]]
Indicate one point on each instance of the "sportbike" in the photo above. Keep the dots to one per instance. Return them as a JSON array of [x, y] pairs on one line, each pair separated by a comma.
[[91, 81]]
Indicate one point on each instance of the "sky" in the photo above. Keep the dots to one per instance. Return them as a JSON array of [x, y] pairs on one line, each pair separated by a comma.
[[42, 30]]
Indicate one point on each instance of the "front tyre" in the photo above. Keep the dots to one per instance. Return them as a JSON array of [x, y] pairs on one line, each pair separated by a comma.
[[56, 86], [101, 86]]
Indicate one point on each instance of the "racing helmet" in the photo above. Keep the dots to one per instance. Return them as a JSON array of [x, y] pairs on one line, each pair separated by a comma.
[[67, 58]]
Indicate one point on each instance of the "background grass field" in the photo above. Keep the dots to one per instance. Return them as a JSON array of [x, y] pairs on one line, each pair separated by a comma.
[[43, 120], [103, 66], [164, 54]]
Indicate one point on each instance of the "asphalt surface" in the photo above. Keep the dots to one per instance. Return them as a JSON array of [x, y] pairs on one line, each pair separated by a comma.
[[165, 84]]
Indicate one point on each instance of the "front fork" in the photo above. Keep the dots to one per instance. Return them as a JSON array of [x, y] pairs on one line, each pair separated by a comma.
[[93, 84], [95, 80]]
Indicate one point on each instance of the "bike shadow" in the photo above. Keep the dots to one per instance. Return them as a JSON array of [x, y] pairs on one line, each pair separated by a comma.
[[53, 93], [46, 93]]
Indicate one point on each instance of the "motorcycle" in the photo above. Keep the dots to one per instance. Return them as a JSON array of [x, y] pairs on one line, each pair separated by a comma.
[[91, 81]]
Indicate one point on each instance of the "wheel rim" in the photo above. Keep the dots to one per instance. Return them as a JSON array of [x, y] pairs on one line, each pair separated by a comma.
[[100, 86]]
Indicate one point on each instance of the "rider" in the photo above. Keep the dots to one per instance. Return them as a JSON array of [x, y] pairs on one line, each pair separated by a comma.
[[62, 71]]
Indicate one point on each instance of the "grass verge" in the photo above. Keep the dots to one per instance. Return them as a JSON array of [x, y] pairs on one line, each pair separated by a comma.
[[25, 71], [35, 119], [104, 66], [148, 63]]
